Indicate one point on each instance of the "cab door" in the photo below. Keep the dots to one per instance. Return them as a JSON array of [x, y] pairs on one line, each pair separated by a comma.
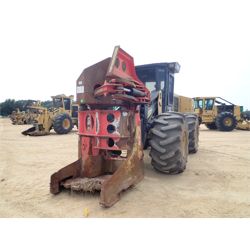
[[166, 85], [208, 111], [171, 92], [198, 106]]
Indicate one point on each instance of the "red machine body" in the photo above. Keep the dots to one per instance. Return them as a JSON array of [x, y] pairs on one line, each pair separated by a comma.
[[110, 150]]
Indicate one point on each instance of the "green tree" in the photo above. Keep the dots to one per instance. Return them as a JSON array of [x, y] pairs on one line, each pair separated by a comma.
[[47, 104], [7, 107]]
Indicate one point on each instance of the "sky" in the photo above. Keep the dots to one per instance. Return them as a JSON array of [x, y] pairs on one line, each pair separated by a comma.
[[45, 45]]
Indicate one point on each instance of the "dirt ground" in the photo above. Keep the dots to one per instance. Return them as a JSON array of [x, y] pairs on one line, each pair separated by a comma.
[[216, 182]]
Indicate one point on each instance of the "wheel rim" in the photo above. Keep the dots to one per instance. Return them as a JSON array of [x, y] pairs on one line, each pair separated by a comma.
[[228, 122], [66, 123]]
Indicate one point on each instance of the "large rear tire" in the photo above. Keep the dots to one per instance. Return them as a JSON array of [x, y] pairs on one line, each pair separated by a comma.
[[63, 123], [193, 131], [226, 121], [169, 143]]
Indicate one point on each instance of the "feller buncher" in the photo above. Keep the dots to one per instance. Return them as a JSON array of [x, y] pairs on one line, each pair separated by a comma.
[[61, 117], [218, 113], [123, 109]]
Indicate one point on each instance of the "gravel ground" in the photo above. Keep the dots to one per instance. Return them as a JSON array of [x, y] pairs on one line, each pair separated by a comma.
[[216, 182]]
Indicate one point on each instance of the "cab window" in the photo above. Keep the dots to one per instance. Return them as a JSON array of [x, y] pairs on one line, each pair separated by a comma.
[[149, 78], [58, 103], [151, 86], [209, 104], [67, 103], [198, 104]]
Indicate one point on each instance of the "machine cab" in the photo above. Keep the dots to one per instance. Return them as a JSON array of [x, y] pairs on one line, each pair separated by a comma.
[[204, 108], [62, 101], [159, 77], [203, 103]]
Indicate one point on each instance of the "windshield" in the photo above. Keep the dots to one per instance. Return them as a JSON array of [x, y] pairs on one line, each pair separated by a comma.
[[198, 104], [148, 77], [209, 104], [67, 103], [57, 103]]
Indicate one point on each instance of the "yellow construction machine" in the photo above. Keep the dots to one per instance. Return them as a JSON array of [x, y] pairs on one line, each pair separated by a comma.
[[218, 113], [61, 117], [18, 117]]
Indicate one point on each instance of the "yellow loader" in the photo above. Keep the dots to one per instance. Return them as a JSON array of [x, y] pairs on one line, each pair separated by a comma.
[[61, 117]]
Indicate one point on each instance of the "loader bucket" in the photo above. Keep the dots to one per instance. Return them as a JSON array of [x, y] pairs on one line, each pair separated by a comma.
[[29, 131], [34, 131]]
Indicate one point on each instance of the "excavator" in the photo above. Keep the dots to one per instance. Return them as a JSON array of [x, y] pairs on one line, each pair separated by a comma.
[[123, 109]]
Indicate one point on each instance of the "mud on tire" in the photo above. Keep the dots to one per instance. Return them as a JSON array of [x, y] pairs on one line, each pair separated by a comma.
[[193, 131], [63, 123], [169, 143]]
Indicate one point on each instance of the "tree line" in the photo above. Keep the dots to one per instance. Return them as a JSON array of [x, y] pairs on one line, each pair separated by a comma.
[[10, 105]]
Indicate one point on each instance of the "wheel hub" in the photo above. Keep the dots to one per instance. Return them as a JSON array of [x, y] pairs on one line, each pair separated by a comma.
[[66, 124], [228, 122]]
